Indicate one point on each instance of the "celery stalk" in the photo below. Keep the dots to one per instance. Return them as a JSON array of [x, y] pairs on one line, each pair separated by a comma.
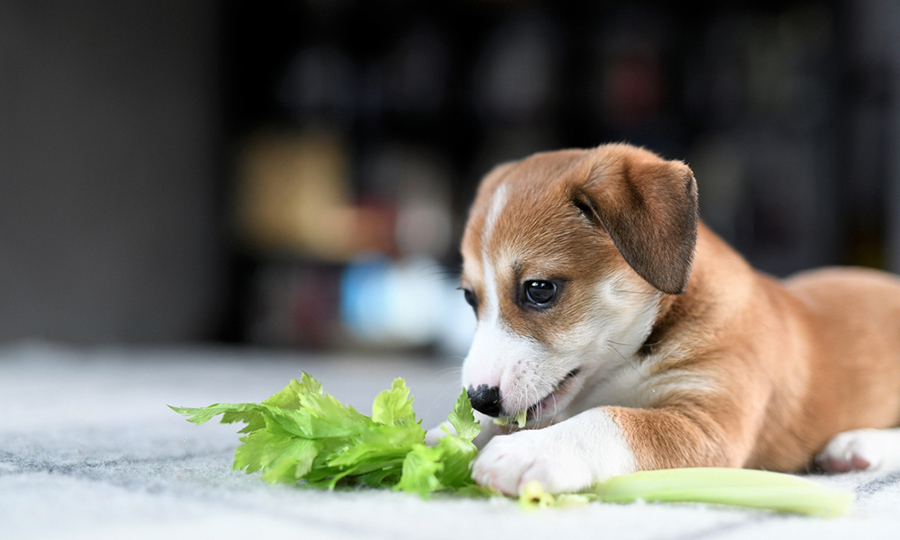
[[520, 419], [737, 487]]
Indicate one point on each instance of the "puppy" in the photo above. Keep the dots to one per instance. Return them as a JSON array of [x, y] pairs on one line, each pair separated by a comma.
[[634, 338]]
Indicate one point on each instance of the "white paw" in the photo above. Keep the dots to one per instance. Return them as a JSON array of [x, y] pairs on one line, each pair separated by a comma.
[[509, 462], [566, 457], [862, 450]]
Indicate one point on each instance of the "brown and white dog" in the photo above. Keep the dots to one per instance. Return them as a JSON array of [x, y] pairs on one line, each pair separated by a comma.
[[636, 339]]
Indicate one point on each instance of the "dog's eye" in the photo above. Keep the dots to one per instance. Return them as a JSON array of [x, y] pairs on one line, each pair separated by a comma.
[[540, 293], [471, 299]]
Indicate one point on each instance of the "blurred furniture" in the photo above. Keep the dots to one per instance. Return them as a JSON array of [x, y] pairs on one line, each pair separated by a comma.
[[213, 170]]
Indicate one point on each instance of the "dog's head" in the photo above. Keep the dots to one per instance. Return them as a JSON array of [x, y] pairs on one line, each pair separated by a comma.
[[566, 258]]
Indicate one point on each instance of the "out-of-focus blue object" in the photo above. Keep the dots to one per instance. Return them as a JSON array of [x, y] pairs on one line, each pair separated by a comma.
[[411, 302]]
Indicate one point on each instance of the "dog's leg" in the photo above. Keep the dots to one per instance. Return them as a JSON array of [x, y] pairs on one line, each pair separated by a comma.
[[862, 450], [604, 442]]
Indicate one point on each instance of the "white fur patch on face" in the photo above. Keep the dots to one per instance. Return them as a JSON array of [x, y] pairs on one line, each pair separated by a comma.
[[491, 313], [498, 354], [496, 351], [498, 203]]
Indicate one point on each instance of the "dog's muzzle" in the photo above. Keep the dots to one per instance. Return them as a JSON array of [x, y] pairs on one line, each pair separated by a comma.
[[485, 399]]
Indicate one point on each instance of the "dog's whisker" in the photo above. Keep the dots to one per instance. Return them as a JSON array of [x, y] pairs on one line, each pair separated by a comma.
[[627, 362], [523, 387], [555, 409], [533, 391], [618, 352], [538, 398], [624, 344]]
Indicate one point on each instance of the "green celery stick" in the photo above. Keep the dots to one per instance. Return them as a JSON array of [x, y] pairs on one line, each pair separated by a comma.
[[737, 487]]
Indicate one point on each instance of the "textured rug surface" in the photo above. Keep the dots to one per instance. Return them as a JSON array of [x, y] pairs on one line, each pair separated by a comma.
[[88, 449]]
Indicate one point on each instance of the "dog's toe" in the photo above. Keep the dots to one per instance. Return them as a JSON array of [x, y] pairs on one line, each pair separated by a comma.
[[501, 464]]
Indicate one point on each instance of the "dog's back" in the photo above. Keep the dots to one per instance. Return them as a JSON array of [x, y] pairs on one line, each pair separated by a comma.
[[856, 315]]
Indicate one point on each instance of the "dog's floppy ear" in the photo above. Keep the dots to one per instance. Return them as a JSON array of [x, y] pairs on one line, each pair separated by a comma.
[[649, 208]]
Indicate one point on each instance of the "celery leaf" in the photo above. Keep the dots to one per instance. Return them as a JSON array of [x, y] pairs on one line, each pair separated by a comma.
[[303, 434]]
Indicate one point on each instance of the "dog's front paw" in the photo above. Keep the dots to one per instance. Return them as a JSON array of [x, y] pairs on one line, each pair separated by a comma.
[[861, 450], [508, 462], [568, 456]]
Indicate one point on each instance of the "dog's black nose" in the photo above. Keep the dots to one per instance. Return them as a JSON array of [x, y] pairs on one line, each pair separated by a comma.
[[485, 399]]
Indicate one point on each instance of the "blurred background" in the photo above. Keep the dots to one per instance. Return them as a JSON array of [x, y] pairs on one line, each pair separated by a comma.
[[297, 173]]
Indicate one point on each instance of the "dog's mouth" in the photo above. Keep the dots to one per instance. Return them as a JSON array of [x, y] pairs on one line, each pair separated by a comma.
[[549, 402]]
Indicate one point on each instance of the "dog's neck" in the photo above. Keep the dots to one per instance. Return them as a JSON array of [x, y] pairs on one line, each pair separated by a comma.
[[704, 293]]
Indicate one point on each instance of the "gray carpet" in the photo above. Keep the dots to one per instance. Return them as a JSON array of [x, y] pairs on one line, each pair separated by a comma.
[[88, 449]]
